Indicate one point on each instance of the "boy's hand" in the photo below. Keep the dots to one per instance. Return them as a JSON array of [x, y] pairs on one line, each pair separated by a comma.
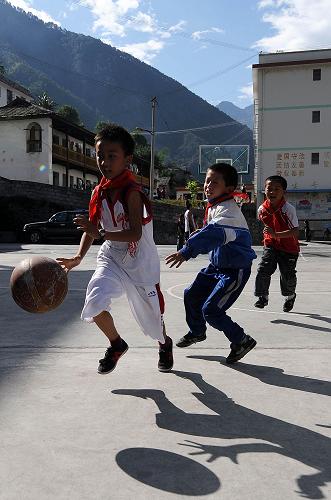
[[68, 264], [175, 258], [85, 225], [270, 231]]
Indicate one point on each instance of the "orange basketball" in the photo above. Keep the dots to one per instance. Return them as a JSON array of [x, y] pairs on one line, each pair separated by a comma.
[[38, 284]]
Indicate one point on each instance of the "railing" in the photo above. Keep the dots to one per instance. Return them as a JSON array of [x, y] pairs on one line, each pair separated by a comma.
[[77, 158], [74, 157]]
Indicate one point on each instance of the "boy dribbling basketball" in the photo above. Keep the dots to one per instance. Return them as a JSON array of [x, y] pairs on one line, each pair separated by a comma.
[[127, 262]]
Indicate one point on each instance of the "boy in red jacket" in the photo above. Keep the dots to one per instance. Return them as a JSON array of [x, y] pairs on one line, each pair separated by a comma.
[[281, 245]]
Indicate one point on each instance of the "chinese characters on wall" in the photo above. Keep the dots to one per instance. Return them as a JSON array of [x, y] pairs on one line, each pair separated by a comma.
[[290, 164]]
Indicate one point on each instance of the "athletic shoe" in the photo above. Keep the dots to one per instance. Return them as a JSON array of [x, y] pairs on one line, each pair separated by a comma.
[[262, 302], [289, 303], [190, 339], [166, 360], [238, 351], [108, 363]]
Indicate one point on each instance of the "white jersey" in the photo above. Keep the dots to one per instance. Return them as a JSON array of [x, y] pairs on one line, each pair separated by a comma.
[[139, 259], [132, 269], [189, 222]]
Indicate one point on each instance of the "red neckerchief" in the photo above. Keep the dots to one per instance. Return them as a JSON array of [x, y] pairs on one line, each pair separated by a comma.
[[121, 181], [215, 201], [268, 211]]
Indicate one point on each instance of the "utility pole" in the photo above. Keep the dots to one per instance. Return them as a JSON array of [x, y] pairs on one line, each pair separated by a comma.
[[151, 172]]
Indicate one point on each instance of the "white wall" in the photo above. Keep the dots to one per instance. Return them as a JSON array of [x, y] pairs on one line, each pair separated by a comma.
[[15, 162], [285, 98]]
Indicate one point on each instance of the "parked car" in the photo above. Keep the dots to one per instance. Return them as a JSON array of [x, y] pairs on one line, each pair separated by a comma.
[[59, 226]]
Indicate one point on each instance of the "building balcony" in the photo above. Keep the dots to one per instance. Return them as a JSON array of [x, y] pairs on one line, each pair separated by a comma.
[[74, 157]]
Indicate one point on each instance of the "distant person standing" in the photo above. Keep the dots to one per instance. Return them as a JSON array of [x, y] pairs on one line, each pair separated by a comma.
[[180, 232], [307, 230], [190, 225]]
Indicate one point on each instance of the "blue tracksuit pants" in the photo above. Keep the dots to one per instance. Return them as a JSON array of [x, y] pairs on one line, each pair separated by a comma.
[[210, 296]]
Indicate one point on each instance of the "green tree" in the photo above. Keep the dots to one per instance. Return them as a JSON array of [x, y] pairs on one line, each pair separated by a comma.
[[193, 187], [100, 125], [2, 70], [69, 113], [45, 101]]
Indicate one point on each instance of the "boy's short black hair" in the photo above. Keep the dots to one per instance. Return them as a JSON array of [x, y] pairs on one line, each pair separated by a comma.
[[228, 172], [279, 179], [116, 133]]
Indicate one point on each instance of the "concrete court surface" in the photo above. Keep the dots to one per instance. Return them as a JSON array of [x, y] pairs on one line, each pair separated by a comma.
[[260, 430]]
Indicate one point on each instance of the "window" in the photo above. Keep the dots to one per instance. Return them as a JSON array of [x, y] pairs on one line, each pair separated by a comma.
[[315, 158], [56, 139], [9, 96], [64, 142], [317, 73], [71, 181], [33, 138], [64, 180], [60, 217], [56, 179], [80, 183], [316, 116]]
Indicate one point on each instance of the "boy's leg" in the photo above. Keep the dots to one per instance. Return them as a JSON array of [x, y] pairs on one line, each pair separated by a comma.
[[288, 280], [194, 298], [118, 346], [225, 293], [266, 268]]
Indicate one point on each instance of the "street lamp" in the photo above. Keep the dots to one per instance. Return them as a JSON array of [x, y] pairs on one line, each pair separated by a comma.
[[152, 133]]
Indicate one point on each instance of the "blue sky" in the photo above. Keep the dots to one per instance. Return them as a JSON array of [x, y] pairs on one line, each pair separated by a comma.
[[207, 45]]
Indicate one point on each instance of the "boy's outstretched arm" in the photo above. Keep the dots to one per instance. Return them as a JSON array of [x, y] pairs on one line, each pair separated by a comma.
[[204, 241], [85, 243]]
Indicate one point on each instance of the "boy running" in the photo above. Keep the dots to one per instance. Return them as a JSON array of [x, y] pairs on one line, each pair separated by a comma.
[[226, 238], [281, 245], [127, 262]]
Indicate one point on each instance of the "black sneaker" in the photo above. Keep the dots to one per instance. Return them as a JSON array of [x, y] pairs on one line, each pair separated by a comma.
[[190, 339], [261, 303], [108, 363], [238, 351], [289, 303], [166, 360]]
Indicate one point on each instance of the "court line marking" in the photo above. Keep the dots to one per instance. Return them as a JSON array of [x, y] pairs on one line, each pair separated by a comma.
[[170, 292]]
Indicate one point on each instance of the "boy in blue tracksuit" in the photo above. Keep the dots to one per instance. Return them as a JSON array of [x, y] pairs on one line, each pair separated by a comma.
[[227, 239]]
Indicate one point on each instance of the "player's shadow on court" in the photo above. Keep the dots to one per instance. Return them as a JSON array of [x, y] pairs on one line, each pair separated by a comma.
[[315, 316], [234, 421], [275, 376], [300, 325]]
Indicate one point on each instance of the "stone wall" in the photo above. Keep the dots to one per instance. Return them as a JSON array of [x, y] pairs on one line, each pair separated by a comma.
[[22, 202]]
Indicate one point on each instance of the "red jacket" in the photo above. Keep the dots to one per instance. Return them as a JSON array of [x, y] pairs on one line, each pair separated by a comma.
[[281, 218]]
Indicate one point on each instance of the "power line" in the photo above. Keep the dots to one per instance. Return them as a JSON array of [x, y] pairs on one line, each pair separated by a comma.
[[206, 127]]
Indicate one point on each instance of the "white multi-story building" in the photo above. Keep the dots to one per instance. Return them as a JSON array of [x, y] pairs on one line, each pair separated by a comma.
[[292, 98], [9, 90], [38, 145]]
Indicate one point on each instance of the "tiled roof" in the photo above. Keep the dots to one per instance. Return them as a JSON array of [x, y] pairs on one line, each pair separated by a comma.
[[15, 85], [19, 109]]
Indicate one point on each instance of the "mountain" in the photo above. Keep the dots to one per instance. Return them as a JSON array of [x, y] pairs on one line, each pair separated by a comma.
[[242, 115], [104, 83]]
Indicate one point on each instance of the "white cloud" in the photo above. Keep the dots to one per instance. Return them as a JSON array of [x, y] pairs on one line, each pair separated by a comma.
[[142, 22], [145, 51], [196, 35], [298, 24], [41, 14], [110, 14], [246, 92]]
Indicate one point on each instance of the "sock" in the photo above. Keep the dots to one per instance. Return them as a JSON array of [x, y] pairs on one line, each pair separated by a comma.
[[289, 297], [165, 343], [117, 343]]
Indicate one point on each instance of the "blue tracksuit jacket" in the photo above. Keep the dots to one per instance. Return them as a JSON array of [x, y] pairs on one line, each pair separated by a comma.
[[225, 237]]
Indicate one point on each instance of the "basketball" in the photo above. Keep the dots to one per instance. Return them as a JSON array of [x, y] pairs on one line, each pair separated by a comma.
[[38, 284]]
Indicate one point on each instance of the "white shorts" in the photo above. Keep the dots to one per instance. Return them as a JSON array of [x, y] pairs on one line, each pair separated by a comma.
[[146, 302]]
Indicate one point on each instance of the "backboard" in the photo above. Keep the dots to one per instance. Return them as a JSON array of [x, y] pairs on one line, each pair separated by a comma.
[[234, 154]]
